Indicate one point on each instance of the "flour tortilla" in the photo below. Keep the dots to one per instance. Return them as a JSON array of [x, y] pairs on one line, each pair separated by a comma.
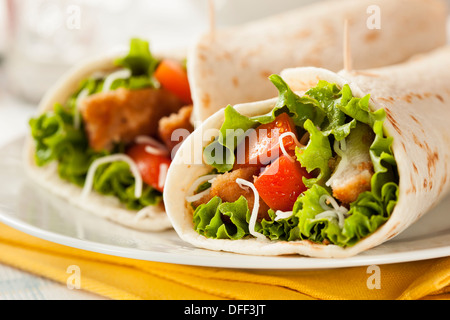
[[232, 65], [108, 207], [416, 98]]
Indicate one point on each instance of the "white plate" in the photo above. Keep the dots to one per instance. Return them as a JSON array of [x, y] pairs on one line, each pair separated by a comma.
[[32, 210]]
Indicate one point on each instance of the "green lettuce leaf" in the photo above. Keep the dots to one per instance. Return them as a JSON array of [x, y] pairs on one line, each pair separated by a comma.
[[299, 108], [315, 155], [220, 153], [139, 59], [356, 108], [323, 106], [51, 131], [282, 229], [117, 180], [209, 219], [57, 138], [370, 210], [328, 114]]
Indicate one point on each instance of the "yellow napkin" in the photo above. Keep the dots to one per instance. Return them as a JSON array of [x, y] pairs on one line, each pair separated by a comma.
[[123, 278]]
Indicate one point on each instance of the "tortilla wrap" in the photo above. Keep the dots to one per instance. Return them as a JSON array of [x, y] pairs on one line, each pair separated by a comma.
[[232, 65], [416, 98], [155, 218]]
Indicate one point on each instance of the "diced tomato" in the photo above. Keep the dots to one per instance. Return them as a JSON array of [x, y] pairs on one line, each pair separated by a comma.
[[153, 167], [173, 77], [280, 184], [266, 147]]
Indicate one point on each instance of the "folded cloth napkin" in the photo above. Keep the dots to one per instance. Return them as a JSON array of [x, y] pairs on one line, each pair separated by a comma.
[[128, 279]]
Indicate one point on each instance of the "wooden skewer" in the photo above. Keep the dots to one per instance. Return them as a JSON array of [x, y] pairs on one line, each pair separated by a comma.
[[347, 48], [212, 18]]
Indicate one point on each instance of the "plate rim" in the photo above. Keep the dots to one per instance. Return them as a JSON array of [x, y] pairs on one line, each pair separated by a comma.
[[204, 261], [253, 262]]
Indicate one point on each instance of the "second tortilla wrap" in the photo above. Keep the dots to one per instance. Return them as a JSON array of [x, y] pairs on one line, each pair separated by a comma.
[[151, 217], [416, 98], [232, 65]]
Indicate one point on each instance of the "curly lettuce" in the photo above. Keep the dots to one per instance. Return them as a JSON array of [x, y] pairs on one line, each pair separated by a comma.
[[329, 114], [139, 59], [209, 219], [59, 138]]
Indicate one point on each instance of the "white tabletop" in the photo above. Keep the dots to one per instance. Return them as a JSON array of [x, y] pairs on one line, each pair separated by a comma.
[[16, 284]]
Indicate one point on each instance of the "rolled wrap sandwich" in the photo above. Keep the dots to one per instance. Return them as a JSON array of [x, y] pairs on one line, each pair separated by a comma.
[[232, 65], [102, 138], [337, 164]]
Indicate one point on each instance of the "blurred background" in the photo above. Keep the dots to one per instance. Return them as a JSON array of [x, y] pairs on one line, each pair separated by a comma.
[[40, 39]]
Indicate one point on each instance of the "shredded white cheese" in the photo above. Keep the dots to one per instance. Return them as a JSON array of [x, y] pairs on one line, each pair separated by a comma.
[[113, 158], [144, 213], [162, 175], [283, 149], [327, 198], [343, 144], [148, 140], [339, 148], [194, 197], [251, 226], [155, 151], [109, 80], [283, 214], [336, 212], [197, 196], [81, 96], [153, 146]]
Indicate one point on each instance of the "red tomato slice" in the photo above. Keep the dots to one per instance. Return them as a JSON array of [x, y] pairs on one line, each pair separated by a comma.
[[266, 147], [173, 77], [153, 167], [280, 184]]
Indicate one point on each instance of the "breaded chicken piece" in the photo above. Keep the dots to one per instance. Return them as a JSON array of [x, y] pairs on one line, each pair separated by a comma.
[[354, 173], [122, 115], [168, 125], [348, 189], [226, 188]]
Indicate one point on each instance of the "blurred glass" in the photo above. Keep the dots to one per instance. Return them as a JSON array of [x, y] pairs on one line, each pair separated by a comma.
[[46, 37], [3, 27], [232, 12]]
